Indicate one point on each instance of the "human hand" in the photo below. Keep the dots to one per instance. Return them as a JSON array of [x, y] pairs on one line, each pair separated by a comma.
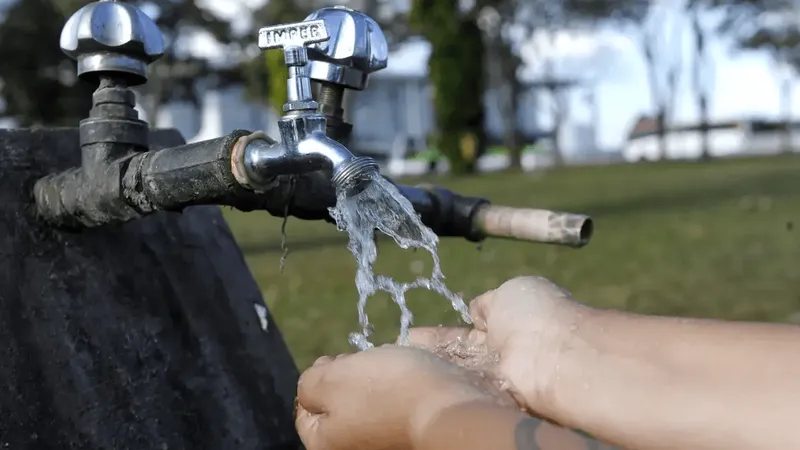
[[382, 398], [520, 331]]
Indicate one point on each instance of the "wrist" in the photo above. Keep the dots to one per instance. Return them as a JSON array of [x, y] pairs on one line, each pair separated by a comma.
[[548, 355], [598, 374], [477, 424], [432, 407], [572, 361]]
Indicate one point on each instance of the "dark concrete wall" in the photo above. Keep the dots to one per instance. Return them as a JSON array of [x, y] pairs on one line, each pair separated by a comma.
[[136, 336]]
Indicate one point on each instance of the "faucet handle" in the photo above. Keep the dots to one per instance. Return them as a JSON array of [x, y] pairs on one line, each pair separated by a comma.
[[356, 49], [112, 38], [293, 38]]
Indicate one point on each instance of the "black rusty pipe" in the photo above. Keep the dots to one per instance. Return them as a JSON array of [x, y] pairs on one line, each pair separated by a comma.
[[192, 174], [202, 173], [138, 183], [449, 214]]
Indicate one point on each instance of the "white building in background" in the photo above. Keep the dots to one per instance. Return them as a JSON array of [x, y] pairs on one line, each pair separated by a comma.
[[726, 139]]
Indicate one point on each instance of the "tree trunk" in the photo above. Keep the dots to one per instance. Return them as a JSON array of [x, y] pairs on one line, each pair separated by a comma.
[[558, 157], [141, 335], [704, 128], [661, 123], [655, 93], [558, 122], [508, 64], [701, 92], [512, 139], [786, 112]]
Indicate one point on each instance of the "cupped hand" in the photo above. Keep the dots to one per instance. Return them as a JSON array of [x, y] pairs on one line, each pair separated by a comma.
[[519, 332], [382, 398]]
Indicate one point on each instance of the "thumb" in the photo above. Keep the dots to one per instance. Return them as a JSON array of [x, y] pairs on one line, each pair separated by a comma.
[[480, 309], [309, 428], [313, 387]]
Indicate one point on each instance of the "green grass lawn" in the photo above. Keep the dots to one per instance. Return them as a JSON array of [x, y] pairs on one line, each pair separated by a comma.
[[701, 239]]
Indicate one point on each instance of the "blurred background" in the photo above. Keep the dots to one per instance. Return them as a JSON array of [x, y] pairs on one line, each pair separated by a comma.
[[669, 121]]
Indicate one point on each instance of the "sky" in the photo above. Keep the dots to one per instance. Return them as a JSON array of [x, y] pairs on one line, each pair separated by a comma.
[[745, 84]]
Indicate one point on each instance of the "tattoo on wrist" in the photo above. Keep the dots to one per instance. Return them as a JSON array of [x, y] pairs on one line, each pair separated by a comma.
[[532, 434]]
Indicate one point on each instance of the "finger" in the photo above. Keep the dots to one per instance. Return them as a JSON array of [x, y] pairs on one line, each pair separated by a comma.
[[323, 360], [318, 385], [309, 429], [480, 309], [312, 391]]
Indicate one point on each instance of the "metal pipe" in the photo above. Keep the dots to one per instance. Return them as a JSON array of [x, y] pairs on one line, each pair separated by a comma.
[[137, 184], [173, 178], [534, 225], [207, 173]]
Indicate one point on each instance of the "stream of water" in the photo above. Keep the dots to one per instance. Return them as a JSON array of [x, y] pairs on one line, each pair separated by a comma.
[[382, 207]]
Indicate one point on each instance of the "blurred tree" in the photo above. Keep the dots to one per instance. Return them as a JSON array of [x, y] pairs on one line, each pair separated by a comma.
[[456, 70], [506, 23], [39, 83], [181, 76], [659, 31], [496, 18], [774, 26], [702, 68], [550, 18], [662, 46]]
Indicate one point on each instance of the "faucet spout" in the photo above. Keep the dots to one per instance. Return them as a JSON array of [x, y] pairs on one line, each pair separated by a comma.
[[348, 171], [263, 161]]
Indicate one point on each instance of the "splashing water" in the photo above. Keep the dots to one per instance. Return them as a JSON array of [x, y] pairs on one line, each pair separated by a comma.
[[382, 207]]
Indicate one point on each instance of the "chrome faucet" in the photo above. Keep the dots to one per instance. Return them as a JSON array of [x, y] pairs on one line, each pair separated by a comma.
[[304, 144]]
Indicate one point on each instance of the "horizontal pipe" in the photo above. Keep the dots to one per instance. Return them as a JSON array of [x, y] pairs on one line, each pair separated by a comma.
[[173, 178], [534, 225], [140, 183], [74, 198], [207, 172], [448, 214]]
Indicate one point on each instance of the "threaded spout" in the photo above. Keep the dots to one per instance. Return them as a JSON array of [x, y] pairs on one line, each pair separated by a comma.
[[355, 175]]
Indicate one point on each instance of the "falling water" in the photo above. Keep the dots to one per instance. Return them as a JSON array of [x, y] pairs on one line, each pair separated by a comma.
[[382, 207]]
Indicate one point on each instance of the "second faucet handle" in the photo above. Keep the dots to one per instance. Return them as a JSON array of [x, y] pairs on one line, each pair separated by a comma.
[[293, 38], [357, 48]]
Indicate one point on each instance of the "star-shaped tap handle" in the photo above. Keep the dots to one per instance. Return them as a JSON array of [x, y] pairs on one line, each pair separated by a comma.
[[293, 38], [111, 38]]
